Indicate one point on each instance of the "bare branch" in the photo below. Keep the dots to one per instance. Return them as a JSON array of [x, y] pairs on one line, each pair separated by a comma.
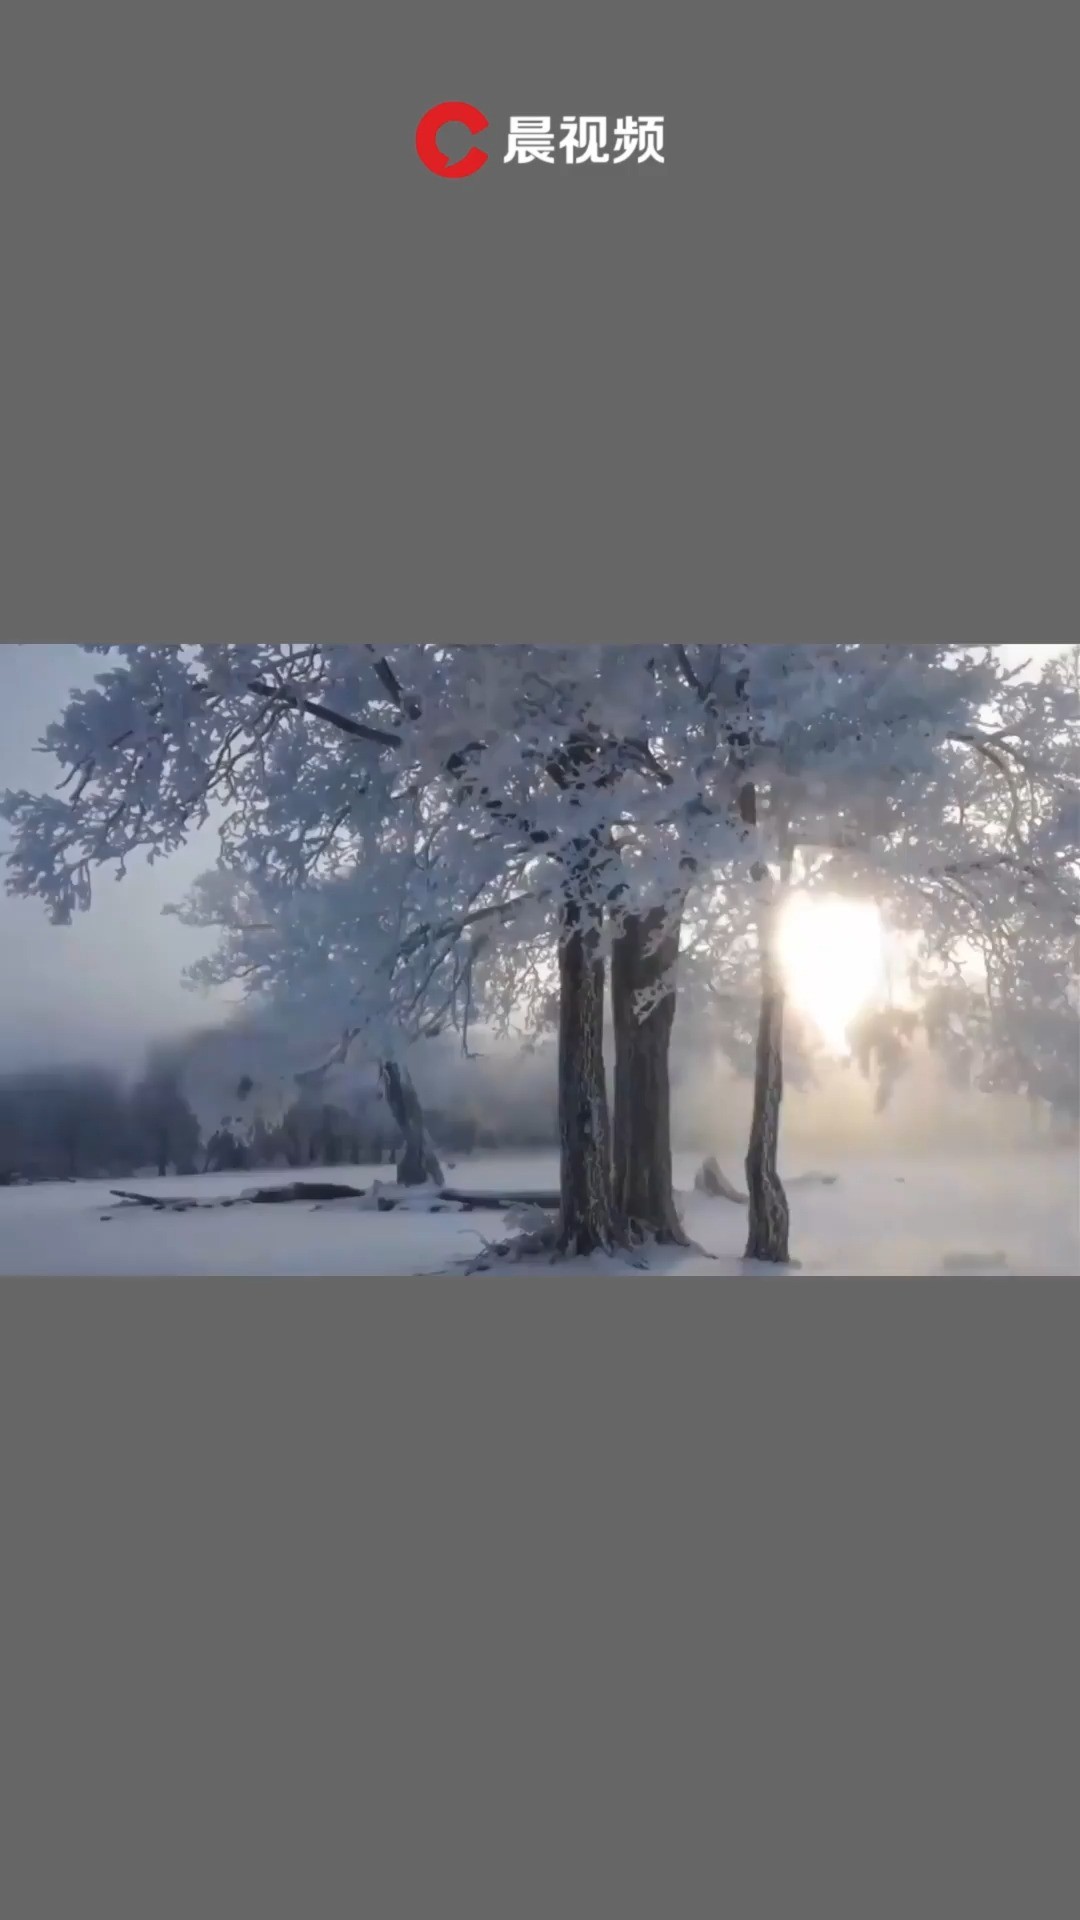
[[357, 728]]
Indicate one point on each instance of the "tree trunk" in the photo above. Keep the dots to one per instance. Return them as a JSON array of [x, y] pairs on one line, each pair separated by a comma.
[[418, 1162], [769, 1216], [587, 1214], [643, 1195]]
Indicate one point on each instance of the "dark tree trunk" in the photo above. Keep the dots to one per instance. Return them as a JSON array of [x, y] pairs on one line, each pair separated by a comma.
[[418, 1162], [587, 1214], [769, 1216], [643, 1195]]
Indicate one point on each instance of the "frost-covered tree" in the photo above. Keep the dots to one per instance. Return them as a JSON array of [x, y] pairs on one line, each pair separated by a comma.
[[990, 895], [324, 764], [411, 838], [315, 764]]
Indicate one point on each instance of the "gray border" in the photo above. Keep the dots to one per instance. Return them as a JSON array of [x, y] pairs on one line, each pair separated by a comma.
[[416, 1597], [815, 374], [399, 1602]]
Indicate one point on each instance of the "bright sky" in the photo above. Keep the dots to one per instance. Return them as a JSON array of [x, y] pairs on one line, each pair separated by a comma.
[[105, 985]]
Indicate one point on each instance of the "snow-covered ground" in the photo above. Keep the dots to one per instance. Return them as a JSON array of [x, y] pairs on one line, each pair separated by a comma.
[[991, 1213]]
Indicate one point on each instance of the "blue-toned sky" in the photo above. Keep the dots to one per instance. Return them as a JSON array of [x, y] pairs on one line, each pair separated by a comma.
[[104, 986]]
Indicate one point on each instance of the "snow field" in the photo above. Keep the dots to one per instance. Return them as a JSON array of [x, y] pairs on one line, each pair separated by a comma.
[[993, 1214]]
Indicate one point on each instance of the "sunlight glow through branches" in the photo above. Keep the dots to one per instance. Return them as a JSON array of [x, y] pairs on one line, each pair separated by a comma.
[[833, 955]]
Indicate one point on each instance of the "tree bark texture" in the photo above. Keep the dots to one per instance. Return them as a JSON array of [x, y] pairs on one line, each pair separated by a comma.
[[418, 1162], [587, 1215], [770, 1220], [642, 1180], [769, 1215]]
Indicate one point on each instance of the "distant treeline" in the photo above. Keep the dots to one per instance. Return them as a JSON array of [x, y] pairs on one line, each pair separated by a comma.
[[79, 1122], [61, 1123]]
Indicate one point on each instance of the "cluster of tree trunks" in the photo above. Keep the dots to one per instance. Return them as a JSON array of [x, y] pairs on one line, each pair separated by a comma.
[[616, 1182], [616, 1186]]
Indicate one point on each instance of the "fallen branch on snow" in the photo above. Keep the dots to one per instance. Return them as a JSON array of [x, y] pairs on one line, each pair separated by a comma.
[[386, 1199]]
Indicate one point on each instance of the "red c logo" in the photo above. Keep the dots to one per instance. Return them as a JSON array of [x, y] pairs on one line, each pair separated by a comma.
[[427, 146]]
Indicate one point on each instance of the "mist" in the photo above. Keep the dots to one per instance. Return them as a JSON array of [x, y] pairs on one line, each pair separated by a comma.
[[509, 1091], [836, 1116]]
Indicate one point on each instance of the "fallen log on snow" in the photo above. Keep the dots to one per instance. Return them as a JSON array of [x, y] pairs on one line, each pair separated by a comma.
[[386, 1199], [161, 1203], [304, 1190], [499, 1202]]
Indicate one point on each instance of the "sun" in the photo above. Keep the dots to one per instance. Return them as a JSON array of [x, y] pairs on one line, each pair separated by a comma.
[[833, 956]]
